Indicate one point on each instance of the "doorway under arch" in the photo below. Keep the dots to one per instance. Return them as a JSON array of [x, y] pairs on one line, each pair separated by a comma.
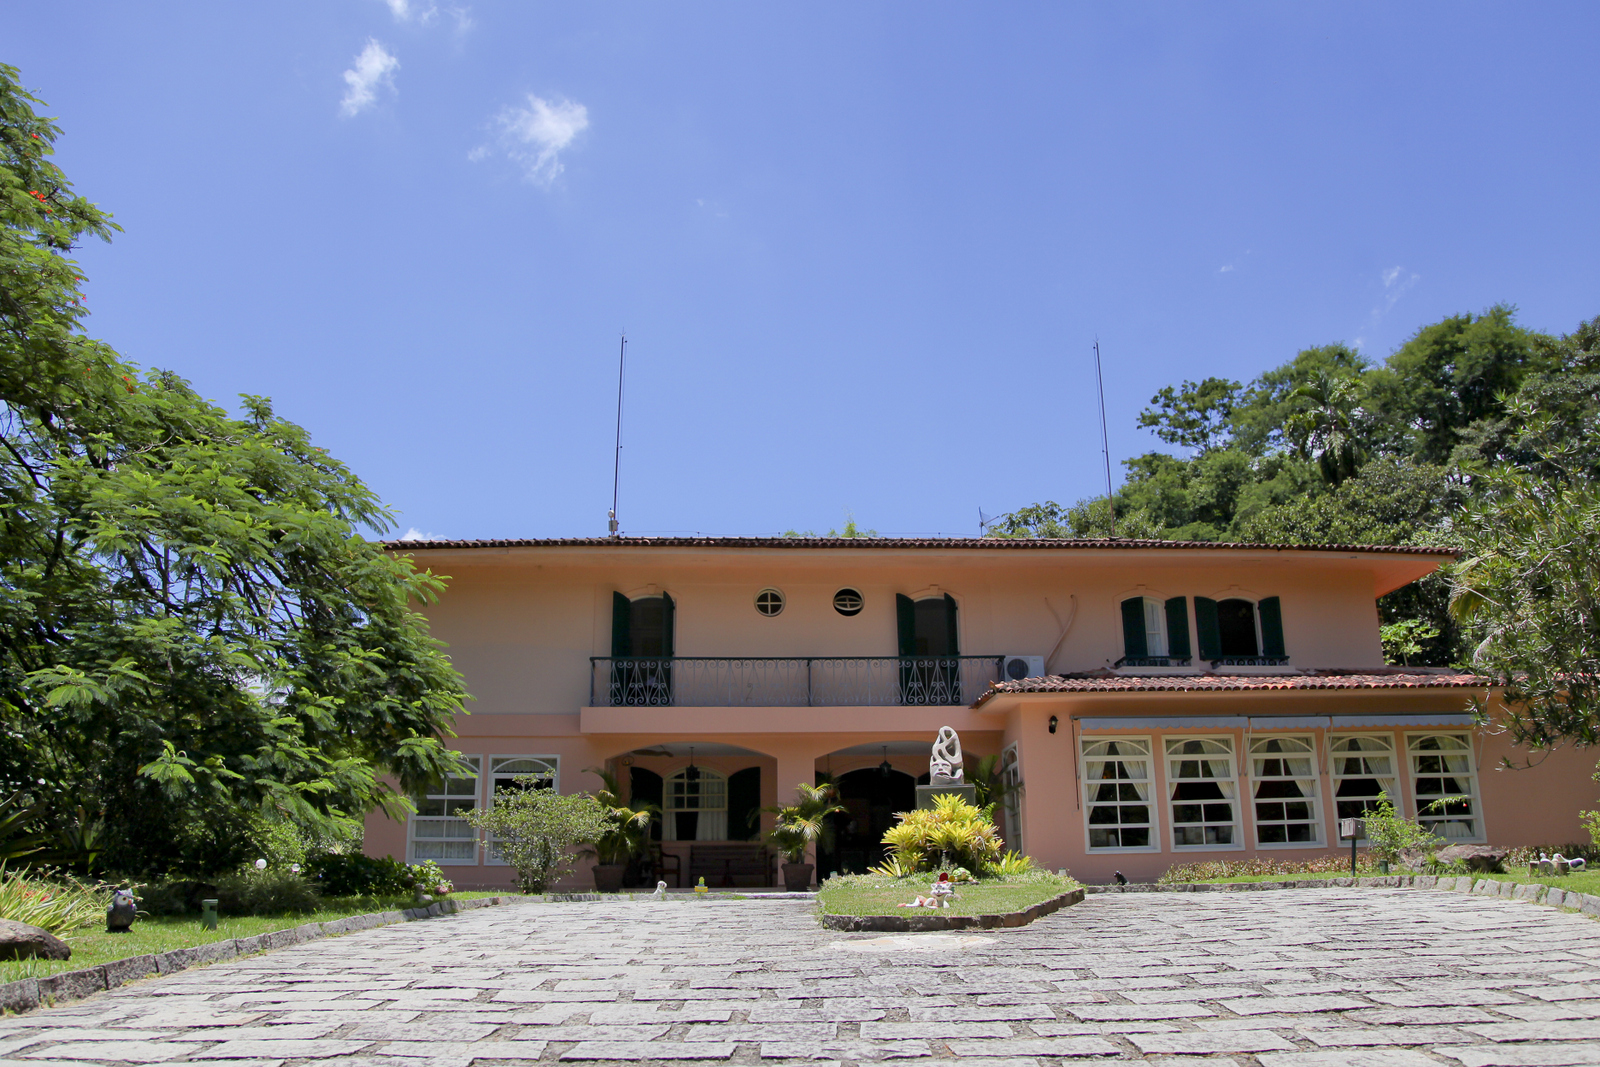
[[871, 799]]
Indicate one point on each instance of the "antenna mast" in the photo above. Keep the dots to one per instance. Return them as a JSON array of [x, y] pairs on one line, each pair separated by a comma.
[[616, 470], [1105, 439]]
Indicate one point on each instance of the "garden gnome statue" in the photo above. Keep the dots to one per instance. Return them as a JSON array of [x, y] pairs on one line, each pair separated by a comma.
[[944, 768], [123, 910]]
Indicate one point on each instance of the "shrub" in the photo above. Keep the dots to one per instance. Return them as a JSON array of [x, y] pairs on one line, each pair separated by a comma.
[[536, 830], [58, 904], [1207, 870], [1390, 833], [338, 874], [1011, 863], [804, 821], [951, 833], [253, 892], [428, 877]]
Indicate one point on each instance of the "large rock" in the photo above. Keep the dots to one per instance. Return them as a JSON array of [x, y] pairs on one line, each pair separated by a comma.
[[19, 941], [1477, 857]]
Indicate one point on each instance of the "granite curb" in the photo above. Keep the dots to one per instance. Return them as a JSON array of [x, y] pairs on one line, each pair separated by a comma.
[[926, 923], [30, 993], [1533, 892]]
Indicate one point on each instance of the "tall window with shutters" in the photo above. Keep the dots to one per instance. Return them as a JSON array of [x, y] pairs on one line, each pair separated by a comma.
[[930, 672], [641, 650], [1239, 632], [1155, 633]]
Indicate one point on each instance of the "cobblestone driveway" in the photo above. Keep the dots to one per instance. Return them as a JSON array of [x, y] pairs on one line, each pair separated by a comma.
[[1298, 977]]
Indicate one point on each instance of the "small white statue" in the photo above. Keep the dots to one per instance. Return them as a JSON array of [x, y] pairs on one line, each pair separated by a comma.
[[1577, 863], [944, 767], [938, 896], [660, 893]]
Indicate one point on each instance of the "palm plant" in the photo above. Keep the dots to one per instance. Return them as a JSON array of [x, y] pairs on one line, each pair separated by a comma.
[[627, 829], [804, 821]]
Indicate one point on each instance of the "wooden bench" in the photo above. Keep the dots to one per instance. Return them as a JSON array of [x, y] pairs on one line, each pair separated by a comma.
[[731, 864]]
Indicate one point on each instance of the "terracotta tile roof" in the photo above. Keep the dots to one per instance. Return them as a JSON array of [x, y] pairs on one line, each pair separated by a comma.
[[942, 543], [1108, 682]]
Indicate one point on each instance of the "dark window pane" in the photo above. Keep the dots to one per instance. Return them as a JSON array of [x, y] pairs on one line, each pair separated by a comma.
[[1219, 813], [1297, 811], [1135, 838], [1197, 791], [1102, 815], [1219, 835], [1270, 835], [1135, 814], [1186, 813], [1303, 832], [1236, 626]]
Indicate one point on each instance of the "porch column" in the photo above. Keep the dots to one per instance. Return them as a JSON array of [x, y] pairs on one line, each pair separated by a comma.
[[796, 764]]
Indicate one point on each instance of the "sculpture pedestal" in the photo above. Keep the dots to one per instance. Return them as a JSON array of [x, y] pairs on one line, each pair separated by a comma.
[[965, 790]]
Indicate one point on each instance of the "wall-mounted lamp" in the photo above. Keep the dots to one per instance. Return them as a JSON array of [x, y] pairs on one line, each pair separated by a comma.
[[1054, 722], [691, 773], [885, 767]]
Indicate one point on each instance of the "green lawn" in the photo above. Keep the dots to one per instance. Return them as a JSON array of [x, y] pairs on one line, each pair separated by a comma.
[[875, 894], [149, 936], [1586, 882]]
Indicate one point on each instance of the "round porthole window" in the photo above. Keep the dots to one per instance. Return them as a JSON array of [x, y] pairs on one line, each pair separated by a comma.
[[769, 602], [847, 602]]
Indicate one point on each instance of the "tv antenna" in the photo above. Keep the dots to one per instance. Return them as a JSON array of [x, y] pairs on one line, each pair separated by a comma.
[[1105, 439], [616, 469], [983, 523]]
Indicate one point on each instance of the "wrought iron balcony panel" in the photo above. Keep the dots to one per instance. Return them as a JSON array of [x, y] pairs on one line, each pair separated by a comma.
[[789, 681]]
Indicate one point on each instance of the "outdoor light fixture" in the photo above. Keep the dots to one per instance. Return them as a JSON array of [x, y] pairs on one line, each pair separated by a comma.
[[691, 773], [885, 767], [1054, 722]]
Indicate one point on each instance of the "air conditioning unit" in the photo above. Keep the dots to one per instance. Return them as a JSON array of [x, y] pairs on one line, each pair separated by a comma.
[[1016, 668]]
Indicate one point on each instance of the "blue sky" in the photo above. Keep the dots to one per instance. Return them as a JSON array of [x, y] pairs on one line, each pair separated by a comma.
[[861, 251]]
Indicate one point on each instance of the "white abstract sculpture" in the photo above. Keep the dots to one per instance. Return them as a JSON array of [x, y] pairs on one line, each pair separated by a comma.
[[944, 767]]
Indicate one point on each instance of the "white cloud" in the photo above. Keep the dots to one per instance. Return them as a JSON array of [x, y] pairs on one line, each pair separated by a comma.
[[374, 67], [1395, 283], [1390, 275], [536, 135], [414, 534], [1226, 268], [406, 11]]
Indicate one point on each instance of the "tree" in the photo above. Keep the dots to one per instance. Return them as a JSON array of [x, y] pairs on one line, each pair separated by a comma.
[[1193, 416], [194, 639], [538, 831]]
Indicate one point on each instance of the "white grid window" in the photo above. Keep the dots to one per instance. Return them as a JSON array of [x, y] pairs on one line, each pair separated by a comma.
[[1116, 792], [439, 829], [1363, 767], [1155, 627], [1285, 790], [1443, 774], [1011, 777], [1203, 792], [503, 774], [697, 806]]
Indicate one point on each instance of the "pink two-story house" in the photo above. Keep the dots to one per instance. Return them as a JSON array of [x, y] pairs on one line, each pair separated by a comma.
[[1156, 702]]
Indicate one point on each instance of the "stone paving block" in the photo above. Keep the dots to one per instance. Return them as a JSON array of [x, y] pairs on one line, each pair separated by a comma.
[[1034, 1046], [1388, 1057], [844, 1050], [121, 1051], [758, 1032], [996, 1013], [1549, 1011], [1195, 1044], [1559, 1030], [649, 1050], [285, 1032], [947, 1029], [293, 1050], [1139, 1012], [1419, 1016], [1443, 998], [689, 1013], [622, 1034], [784, 1013], [503, 1050], [1075, 1029], [1370, 1036], [1540, 1054], [1277, 1005]]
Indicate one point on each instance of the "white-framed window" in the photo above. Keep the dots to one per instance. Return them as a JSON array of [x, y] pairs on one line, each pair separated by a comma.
[[1155, 627], [439, 829], [503, 774], [696, 806], [1011, 780], [1285, 791], [1116, 793], [1363, 767], [1203, 792], [1443, 773]]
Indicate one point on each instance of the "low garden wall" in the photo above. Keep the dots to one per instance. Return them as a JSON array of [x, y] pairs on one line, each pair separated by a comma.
[[1535, 892], [30, 993]]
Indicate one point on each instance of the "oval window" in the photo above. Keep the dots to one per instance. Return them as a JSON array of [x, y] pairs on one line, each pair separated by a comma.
[[847, 602], [769, 602]]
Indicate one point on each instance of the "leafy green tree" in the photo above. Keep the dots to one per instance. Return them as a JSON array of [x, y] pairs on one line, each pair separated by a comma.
[[194, 639], [539, 831], [1196, 416]]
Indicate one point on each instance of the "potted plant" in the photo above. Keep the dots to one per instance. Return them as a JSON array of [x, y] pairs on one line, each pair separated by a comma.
[[797, 826], [626, 833]]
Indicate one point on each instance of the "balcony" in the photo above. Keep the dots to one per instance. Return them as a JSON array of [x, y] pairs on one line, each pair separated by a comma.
[[790, 681]]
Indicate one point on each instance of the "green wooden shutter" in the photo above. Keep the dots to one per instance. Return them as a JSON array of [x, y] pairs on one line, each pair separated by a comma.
[[668, 609], [1178, 627], [1271, 613], [1207, 634], [952, 649], [1133, 642], [621, 625], [905, 614]]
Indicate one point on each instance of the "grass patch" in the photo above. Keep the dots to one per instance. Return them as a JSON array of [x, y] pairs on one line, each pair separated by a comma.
[[876, 894], [1584, 882], [163, 933]]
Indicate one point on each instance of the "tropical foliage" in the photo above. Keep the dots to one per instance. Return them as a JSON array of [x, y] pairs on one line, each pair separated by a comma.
[[538, 831], [57, 904], [952, 833], [627, 831], [804, 822]]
